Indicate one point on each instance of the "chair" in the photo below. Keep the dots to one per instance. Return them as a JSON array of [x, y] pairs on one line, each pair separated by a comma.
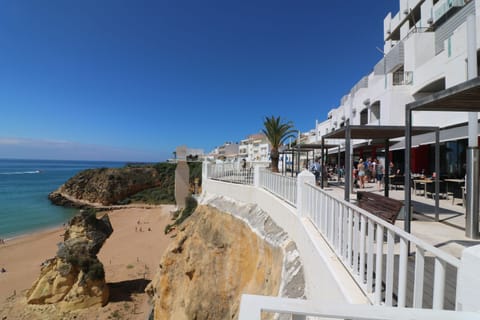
[[397, 180], [442, 192]]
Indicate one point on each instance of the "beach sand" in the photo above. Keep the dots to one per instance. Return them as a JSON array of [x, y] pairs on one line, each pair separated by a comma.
[[130, 257]]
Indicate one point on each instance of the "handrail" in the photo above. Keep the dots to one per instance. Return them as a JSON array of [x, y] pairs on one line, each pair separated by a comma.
[[353, 235], [252, 306], [282, 186], [230, 172]]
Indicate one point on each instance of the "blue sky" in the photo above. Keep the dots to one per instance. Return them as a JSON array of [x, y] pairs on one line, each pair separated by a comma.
[[131, 80]]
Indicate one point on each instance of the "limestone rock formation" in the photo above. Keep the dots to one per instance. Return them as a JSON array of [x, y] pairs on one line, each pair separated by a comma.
[[216, 258], [75, 278], [105, 186]]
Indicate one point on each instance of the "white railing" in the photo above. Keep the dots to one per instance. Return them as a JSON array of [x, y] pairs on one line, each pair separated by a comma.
[[284, 187], [231, 172], [380, 269], [252, 307], [443, 6]]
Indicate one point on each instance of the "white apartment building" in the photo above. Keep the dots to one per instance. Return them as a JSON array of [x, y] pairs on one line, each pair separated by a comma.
[[255, 148], [425, 51], [227, 151]]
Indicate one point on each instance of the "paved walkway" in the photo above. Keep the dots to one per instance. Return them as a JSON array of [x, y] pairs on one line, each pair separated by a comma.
[[448, 234]]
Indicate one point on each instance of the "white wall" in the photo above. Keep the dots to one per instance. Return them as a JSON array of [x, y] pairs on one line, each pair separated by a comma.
[[419, 49]]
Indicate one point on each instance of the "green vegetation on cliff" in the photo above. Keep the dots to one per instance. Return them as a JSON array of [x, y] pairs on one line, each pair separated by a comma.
[[165, 194], [134, 183]]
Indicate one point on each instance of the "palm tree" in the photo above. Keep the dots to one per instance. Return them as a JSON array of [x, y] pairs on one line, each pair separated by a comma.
[[276, 132]]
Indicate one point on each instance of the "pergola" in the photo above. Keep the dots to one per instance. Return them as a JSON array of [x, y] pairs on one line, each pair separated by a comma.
[[464, 97], [306, 148], [379, 133]]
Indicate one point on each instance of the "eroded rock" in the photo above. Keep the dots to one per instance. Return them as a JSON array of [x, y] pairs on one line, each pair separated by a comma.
[[75, 278]]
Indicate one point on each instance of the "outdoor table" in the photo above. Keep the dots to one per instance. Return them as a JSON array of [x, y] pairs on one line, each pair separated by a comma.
[[423, 182]]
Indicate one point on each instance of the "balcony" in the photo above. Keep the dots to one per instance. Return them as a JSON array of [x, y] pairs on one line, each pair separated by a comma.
[[443, 6], [402, 78]]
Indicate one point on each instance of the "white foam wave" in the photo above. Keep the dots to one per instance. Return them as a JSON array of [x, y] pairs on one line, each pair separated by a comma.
[[20, 172]]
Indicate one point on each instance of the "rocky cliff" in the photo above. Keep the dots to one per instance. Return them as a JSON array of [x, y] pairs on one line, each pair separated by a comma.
[[105, 186], [75, 278], [221, 252]]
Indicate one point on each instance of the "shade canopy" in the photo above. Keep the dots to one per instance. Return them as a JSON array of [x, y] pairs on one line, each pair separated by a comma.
[[376, 132], [464, 97]]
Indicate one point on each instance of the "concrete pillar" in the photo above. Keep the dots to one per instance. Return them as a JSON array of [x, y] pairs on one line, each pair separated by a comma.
[[256, 176], [182, 185], [468, 281], [302, 178], [204, 170], [472, 181]]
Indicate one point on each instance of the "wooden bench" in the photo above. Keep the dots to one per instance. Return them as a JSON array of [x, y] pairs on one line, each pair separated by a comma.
[[380, 206]]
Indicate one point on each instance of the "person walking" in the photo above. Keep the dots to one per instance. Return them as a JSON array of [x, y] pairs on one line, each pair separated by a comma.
[[361, 173], [316, 170], [380, 172]]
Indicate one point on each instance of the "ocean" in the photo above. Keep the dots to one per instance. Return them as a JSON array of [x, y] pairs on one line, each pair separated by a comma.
[[24, 189]]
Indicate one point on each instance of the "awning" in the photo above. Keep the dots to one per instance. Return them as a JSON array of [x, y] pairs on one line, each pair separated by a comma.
[[448, 134]]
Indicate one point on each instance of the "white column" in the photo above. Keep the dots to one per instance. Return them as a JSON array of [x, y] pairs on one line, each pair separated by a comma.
[[204, 170], [256, 176], [303, 177], [472, 183], [468, 281]]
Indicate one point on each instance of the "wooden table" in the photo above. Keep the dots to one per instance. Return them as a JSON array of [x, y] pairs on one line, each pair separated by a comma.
[[423, 182]]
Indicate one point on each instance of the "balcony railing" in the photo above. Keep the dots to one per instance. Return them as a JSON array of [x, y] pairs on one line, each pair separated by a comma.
[[402, 78], [443, 6]]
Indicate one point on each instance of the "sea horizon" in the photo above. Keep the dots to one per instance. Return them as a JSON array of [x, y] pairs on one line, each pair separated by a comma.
[[24, 188]]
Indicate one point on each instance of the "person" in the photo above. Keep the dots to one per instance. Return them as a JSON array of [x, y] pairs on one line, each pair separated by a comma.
[[244, 163], [366, 165], [373, 169], [361, 173], [316, 169], [391, 168], [379, 170]]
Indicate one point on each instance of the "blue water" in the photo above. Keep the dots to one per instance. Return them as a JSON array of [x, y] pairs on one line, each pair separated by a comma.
[[24, 189]]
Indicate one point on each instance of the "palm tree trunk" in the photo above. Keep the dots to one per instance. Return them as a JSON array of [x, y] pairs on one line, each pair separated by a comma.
[[274, 156]]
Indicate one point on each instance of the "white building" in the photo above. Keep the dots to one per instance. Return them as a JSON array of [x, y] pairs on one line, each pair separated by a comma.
[[227, 151], [425, 51], [255, 148]]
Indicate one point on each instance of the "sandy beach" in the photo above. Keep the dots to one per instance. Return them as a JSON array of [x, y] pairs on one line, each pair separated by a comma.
[[130, 256]]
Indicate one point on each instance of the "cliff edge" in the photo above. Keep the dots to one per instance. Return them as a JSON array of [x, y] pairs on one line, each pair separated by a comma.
[[222, 251]]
